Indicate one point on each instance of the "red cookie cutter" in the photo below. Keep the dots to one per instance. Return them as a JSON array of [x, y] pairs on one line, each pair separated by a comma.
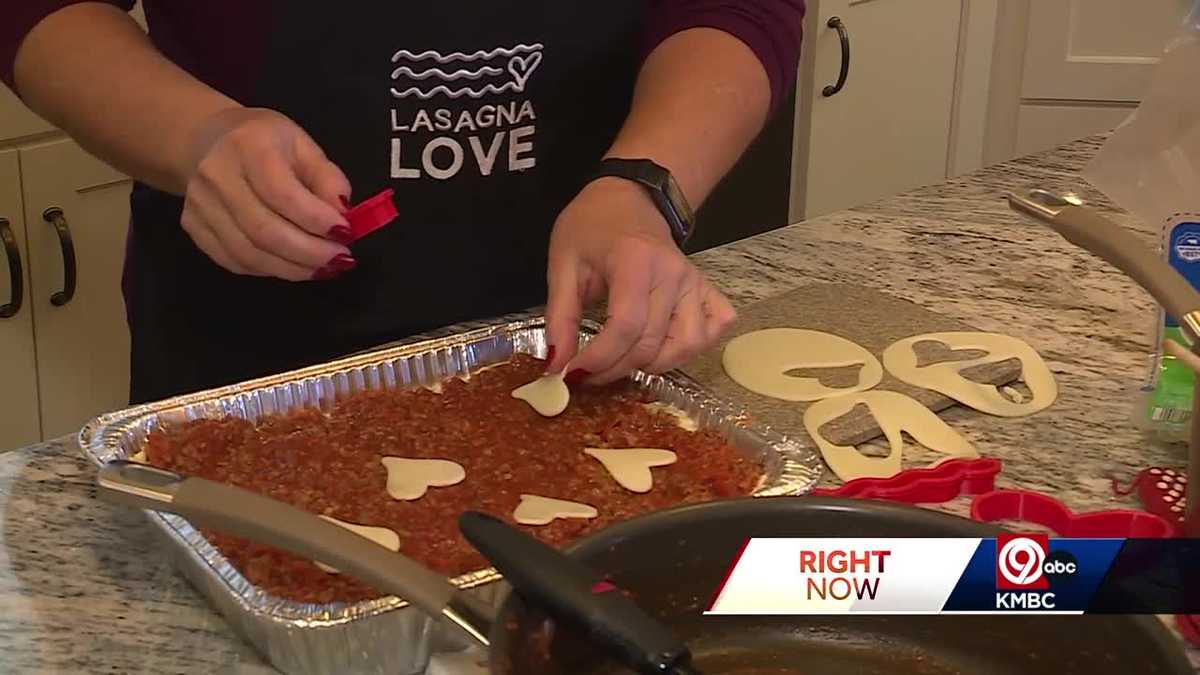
[[371, 214], [1189, 627], [1040, 509], [1162, 492], [932, 485]]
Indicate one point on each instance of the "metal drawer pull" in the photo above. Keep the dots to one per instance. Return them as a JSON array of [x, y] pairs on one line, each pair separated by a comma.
[[831, 89], [54, 216], [16, 275]]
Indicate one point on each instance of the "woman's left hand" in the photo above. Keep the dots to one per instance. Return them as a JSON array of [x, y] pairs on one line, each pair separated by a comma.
[[612, 242]]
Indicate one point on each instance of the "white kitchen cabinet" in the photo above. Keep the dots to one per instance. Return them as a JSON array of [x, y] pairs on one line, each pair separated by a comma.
[[82, 340], [1096, 50], [20, 421], [889, 128], [1064, 69]]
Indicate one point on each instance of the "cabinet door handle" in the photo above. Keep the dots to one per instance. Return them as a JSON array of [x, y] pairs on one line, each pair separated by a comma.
[[15, 274], [55, 217], [831, 89]]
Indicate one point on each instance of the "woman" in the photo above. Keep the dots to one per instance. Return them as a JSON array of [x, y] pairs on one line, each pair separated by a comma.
[[251, 126]]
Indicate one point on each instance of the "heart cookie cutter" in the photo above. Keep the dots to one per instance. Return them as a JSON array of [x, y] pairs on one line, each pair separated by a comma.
[[371, 214], [1040, 509], [932, 485]]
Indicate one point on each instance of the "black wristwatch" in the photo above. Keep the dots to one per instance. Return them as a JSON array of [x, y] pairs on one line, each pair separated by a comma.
[[663, 190]]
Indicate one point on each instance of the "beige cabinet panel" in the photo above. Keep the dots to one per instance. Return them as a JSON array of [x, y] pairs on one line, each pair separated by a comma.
[[20, 424], [888, 130], [1042, 127], [1096, 50], [82, 345], [17, 121]]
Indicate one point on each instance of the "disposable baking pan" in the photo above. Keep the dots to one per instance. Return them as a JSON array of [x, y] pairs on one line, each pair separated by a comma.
[[386, 635]]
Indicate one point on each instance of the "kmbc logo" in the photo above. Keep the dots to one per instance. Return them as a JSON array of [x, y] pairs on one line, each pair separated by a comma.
[[1021, 562]]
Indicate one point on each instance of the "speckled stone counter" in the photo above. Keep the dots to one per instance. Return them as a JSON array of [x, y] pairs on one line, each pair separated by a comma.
[[84, 588]]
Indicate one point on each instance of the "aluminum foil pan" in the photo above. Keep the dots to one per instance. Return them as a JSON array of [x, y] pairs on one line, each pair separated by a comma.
[[386, 635]]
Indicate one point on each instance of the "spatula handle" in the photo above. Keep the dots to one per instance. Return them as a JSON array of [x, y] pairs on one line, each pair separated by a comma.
[[264, 520], [1109, 241], [1090, 230]]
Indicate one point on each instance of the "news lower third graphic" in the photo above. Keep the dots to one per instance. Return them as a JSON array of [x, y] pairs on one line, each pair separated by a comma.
[[1010, 574]]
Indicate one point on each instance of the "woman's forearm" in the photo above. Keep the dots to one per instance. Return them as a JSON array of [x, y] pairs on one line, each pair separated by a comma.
[[701, 98], [89, 69]]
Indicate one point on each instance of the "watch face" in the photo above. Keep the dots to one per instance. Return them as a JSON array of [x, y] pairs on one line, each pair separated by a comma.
[[680, 205]]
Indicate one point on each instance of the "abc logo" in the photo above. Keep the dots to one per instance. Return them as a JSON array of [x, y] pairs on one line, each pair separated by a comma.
[[1060, 566], [1024, 562]]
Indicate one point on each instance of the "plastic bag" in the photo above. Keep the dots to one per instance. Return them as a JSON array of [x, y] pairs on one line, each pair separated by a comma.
[[1150, 167]]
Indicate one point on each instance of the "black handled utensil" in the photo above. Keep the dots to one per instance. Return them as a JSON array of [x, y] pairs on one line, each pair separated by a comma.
[[567, 590]]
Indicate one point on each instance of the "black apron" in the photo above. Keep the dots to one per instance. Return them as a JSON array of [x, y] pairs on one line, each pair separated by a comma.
[[483, 117]]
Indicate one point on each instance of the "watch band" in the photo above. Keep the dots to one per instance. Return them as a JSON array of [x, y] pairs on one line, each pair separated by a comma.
[[664, 192]]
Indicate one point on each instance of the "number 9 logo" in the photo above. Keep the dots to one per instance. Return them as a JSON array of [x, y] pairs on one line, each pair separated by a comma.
[[1020, 561]]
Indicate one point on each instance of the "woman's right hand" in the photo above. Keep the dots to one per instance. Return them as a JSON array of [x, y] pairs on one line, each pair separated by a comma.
[[262, 199]]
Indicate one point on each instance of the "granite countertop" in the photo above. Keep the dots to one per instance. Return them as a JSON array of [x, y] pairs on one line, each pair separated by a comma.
[[84, 586]]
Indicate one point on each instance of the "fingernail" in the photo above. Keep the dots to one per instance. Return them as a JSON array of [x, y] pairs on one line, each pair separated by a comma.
[[576, 376], [342, 262], [341, 234], [603, 587], [325, 273], [345, 200], [336, 266], [549, 355]]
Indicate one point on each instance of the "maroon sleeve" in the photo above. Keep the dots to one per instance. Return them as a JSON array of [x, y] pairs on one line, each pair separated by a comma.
[[771, 28], [20, 16]]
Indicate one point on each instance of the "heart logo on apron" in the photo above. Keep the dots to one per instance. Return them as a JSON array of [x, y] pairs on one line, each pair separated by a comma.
[[522, 67]]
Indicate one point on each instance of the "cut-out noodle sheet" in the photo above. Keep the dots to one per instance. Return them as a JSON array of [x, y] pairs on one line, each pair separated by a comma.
[[901, 361], [869, 318], [761, 361], [895, 413]]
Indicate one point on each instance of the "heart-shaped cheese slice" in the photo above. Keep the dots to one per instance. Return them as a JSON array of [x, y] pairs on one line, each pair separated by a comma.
[[548, 394], [409, 479], [630, 467], [380, 535], [535, 510]]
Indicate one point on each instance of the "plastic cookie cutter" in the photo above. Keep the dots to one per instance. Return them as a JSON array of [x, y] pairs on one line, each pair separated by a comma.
[[1044, 510], [1162, 492], [371, 214], [1189, 627], [932, 485]]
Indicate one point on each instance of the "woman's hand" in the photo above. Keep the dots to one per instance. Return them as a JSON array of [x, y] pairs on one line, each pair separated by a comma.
[[262, 199], [611, 240]]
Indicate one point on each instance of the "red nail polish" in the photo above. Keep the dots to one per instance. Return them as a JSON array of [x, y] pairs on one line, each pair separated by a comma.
[[341, 234], [603, 587], [345, 202], [325, 273], [576, 376], [342, 263], [549, 354]]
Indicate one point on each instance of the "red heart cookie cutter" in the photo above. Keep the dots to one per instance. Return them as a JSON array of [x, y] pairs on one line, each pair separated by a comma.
[[1162, 492], [1189, 627], [932, 485], [1040, 509], [371, 214]]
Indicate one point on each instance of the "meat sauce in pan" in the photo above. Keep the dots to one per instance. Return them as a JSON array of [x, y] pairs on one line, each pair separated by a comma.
[[330, 464]]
